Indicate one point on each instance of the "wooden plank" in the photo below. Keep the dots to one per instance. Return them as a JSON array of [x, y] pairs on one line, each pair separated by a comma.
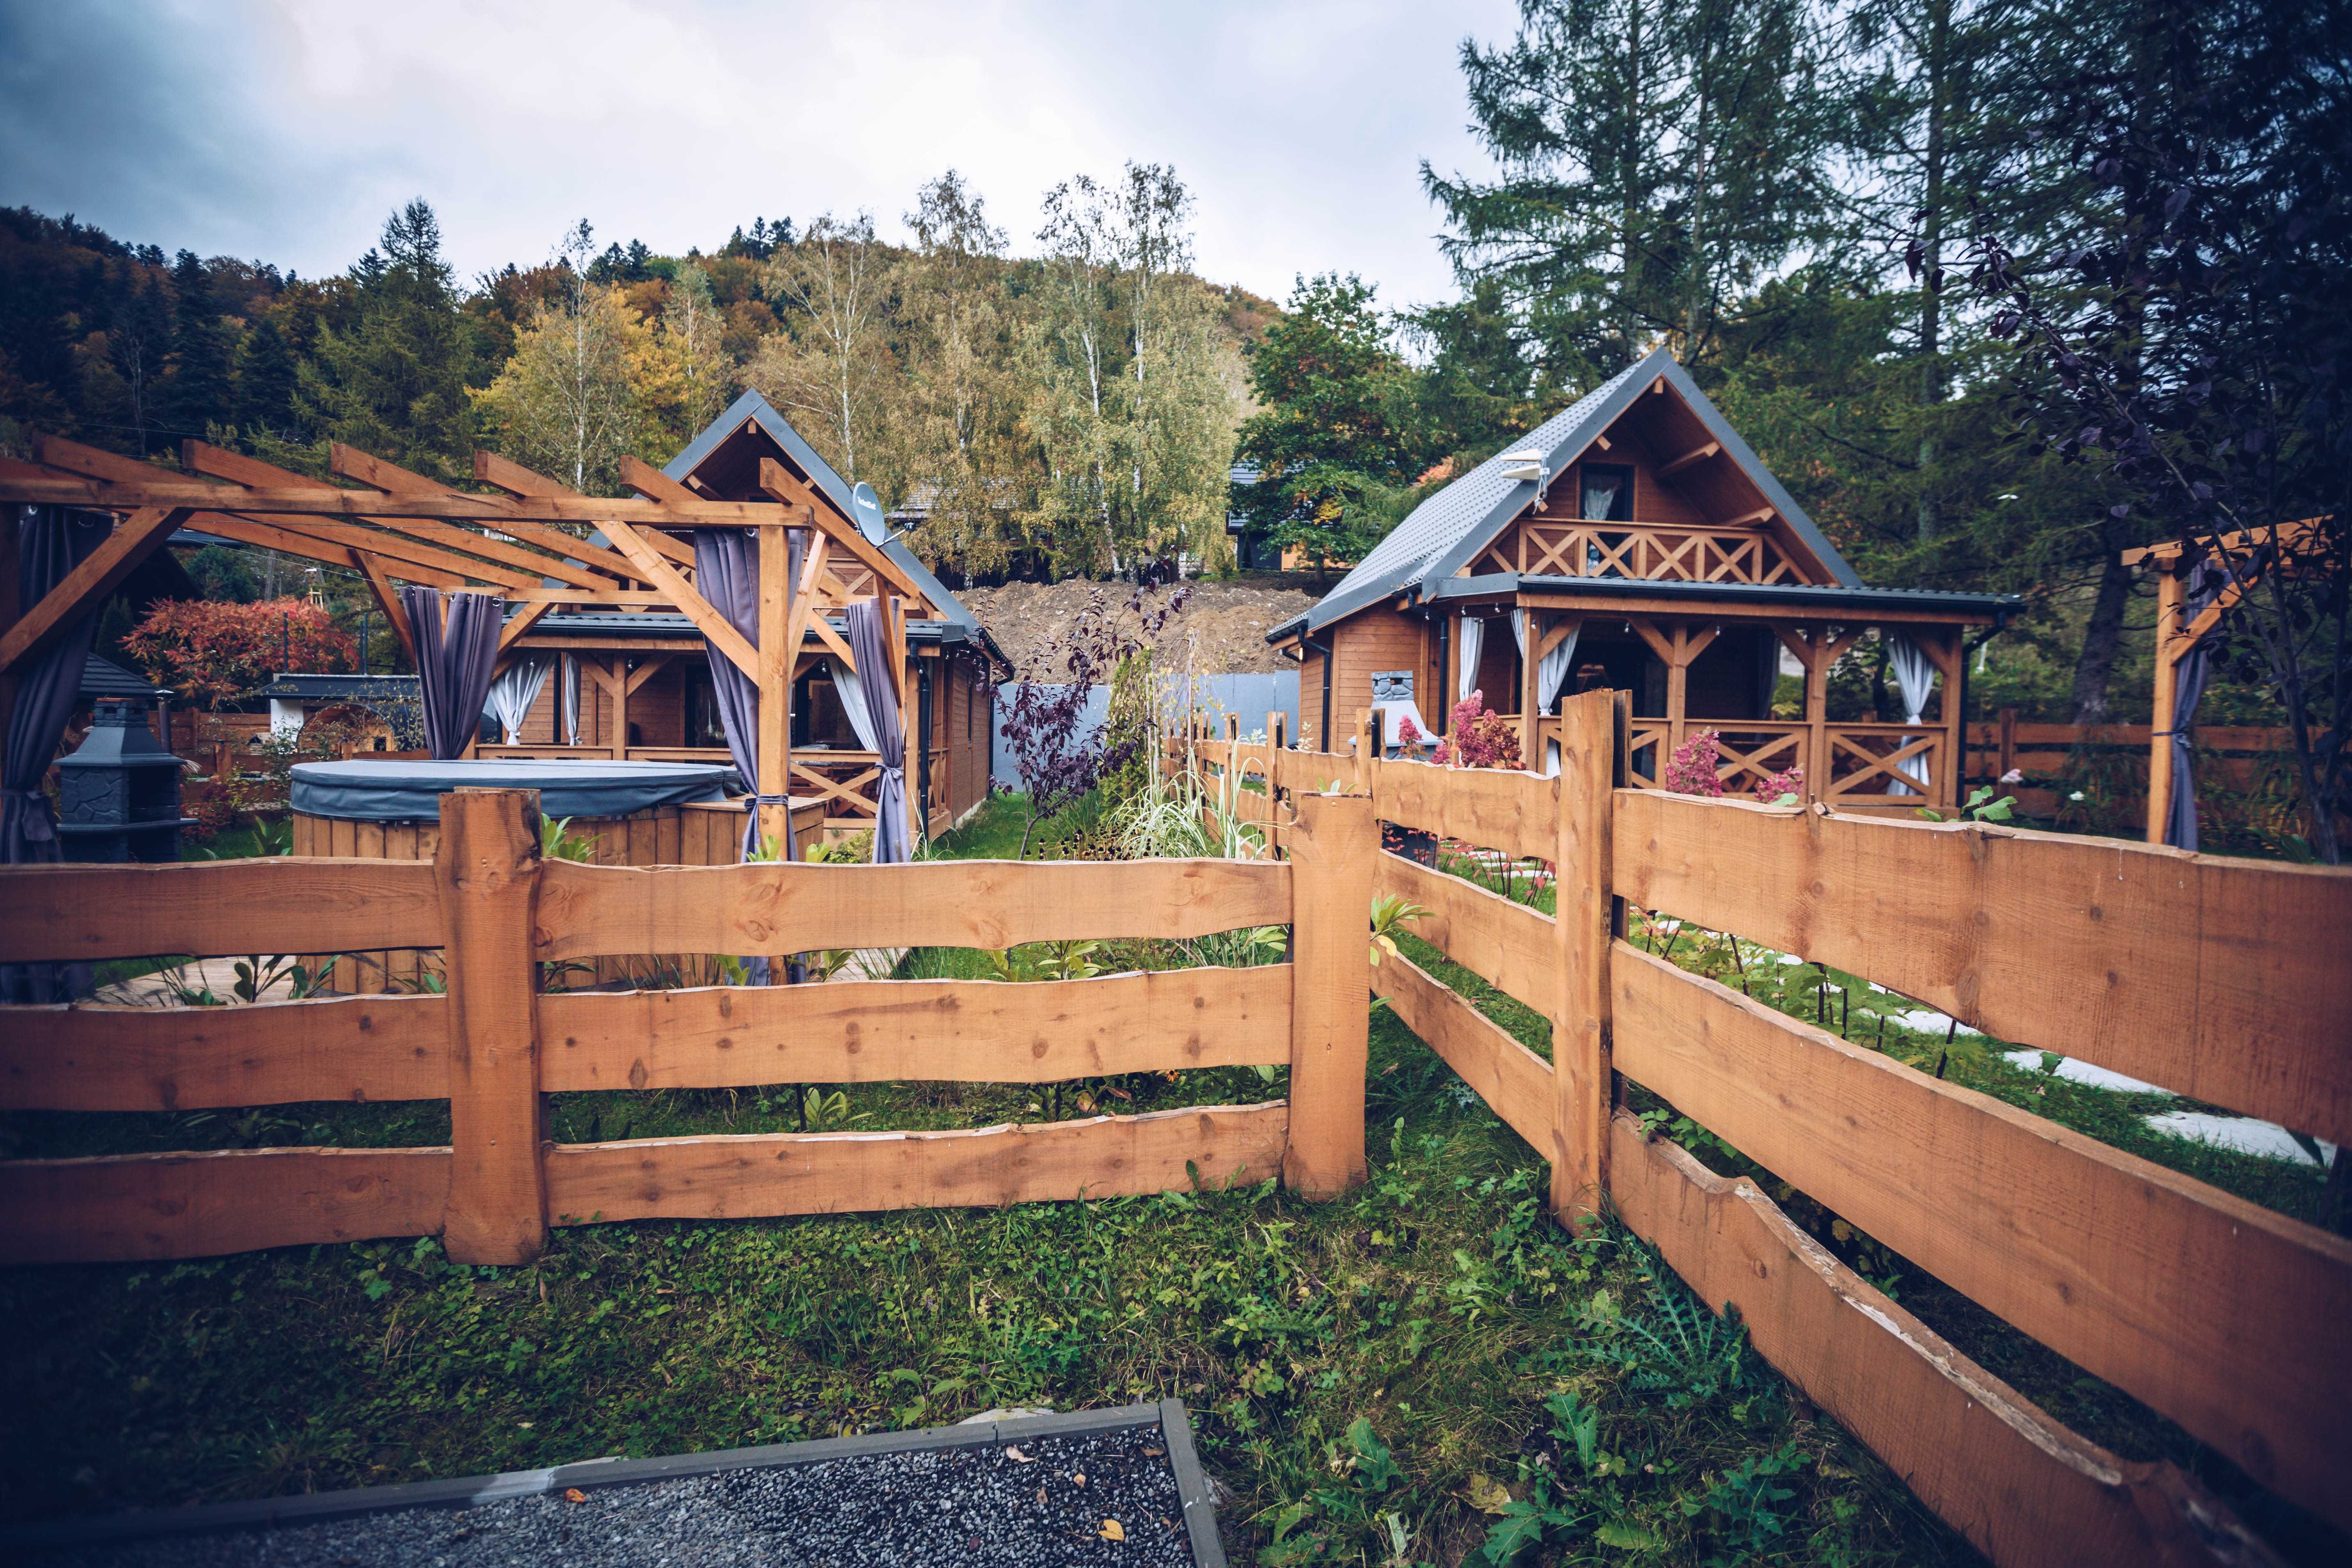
[[1581, 1072], [488, 874], [1512, 1080], [1506, 944], [889, 1031], [779, 482], [692, 603], [1497, 808], [82, 590], [106, 495], [2229, 981], [1332, 847], [184, 1059], [849, 1173], [2024, 1490], [119, 1207], [781, 908], [281, 904], [2207, 1308]]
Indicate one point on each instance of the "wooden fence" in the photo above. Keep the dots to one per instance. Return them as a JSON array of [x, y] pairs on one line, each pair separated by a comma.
[[496, 1043], [2229, 980]]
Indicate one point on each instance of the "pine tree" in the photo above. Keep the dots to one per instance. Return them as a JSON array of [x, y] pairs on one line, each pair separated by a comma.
[[395, 381], [1658, 161], [200, 392], [267, 371]]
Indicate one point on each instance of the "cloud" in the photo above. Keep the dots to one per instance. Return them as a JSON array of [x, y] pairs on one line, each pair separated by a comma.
[[288, 130]]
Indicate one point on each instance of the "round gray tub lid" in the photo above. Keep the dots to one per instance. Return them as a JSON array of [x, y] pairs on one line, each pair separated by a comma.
[[411, 791]]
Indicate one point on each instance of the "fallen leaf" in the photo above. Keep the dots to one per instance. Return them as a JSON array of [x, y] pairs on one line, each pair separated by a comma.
[[573, 1494], [1154, 1453], [1113, 1530], [1488, 1495], [1018, 1458], [1080, 1477], [1041, 1494]]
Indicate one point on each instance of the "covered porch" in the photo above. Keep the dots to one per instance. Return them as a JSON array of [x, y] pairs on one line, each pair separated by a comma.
[[1711, 657]]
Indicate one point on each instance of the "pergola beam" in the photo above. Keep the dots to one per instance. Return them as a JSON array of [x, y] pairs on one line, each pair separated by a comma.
[[105, 496], [778, 481], [85, 587], [696, 609]]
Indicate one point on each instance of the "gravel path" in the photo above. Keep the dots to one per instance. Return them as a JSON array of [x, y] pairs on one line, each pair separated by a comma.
[[956, 1506]]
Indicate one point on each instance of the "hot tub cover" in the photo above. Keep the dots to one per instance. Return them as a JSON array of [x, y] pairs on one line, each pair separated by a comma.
[[409, 791]]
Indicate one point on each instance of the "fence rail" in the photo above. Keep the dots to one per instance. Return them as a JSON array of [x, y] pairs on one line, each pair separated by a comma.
[[493, 1045], [2229, 981]]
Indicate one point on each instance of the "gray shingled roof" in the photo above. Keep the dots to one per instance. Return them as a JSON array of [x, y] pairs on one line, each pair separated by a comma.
[[757, 409], [1446, 530]]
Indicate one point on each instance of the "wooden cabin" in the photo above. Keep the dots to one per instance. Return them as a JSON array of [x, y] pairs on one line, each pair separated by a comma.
[[1637, 543], [643, 680]]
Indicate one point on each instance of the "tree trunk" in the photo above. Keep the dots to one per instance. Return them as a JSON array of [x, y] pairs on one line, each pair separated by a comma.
[[1931, 300], [2102, 637]]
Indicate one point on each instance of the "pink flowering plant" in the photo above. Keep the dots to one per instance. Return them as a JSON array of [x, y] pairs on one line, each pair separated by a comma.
[[1691, 768], [1480, 739], [1786, 787]]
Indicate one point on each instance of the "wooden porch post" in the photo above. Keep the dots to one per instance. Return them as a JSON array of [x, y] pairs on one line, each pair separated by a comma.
[[619, 688], [773, 751], [1950, 778], [1331, 852], [2168, 629], [1817, 712], [487, 865], [1582, 1085]]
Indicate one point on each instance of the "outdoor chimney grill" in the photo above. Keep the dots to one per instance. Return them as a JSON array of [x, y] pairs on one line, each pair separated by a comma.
[[121, 794]]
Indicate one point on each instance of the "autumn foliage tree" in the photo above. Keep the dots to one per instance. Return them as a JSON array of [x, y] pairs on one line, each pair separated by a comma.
[[214, 654]]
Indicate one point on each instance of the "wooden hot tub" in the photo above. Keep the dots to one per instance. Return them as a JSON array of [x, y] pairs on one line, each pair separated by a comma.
[[637, 814]]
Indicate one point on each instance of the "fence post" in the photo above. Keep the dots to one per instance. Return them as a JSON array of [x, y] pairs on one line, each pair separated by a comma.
[[489, 870], [1332, 849], [1579, 1054]]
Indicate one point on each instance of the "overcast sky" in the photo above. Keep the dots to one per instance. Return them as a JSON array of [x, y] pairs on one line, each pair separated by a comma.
[[286, 132]]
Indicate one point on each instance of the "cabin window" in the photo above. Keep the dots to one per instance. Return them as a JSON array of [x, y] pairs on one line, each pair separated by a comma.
[[1608, 493]]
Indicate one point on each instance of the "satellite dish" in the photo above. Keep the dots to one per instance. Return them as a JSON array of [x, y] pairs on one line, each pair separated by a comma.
[[868, 507]]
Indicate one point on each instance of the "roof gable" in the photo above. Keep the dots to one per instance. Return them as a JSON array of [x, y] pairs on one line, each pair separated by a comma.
[[1448, 530], [857, 502]]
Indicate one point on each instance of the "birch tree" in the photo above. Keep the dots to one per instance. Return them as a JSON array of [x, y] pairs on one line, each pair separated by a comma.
[[1069, 352], [827, 365], [694, 348], [568, 402], [958, 417]]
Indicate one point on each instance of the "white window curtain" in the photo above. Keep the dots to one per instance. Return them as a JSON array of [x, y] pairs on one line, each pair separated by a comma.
[[567, 691], [1469, 636], [852, 702], [1551, 675], [512, 694], [1914, 677]]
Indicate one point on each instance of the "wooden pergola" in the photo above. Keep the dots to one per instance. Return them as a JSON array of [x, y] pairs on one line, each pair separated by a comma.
[[512, 539], [2246, 554]]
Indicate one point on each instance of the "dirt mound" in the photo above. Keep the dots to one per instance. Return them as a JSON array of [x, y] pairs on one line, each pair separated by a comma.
[[1222, 627]]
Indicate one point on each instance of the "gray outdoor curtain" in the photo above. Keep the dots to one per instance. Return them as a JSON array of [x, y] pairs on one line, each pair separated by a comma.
[[454, 663], [726, 574], [1469, 636], [51, 542], [2195, 668], [515, 692], [873, 655], [1914, 677], [567, 692]]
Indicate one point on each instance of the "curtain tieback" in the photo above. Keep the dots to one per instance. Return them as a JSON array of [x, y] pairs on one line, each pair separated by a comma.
[[39, 815], [754, 802]]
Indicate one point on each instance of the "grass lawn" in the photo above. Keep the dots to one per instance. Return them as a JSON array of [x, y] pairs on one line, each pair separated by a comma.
[[1374, 1379]]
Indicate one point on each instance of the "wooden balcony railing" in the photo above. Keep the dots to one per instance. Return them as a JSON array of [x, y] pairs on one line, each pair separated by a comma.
[[1649, 551]]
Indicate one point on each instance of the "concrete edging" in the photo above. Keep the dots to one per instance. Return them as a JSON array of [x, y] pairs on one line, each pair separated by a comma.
[[318, 1508]]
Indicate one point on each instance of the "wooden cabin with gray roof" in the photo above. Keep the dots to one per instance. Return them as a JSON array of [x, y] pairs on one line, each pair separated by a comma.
[[1634, 541]]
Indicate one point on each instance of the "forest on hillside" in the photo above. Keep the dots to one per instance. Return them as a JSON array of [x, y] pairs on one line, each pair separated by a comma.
[[1070, 411], [1999, 289]]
